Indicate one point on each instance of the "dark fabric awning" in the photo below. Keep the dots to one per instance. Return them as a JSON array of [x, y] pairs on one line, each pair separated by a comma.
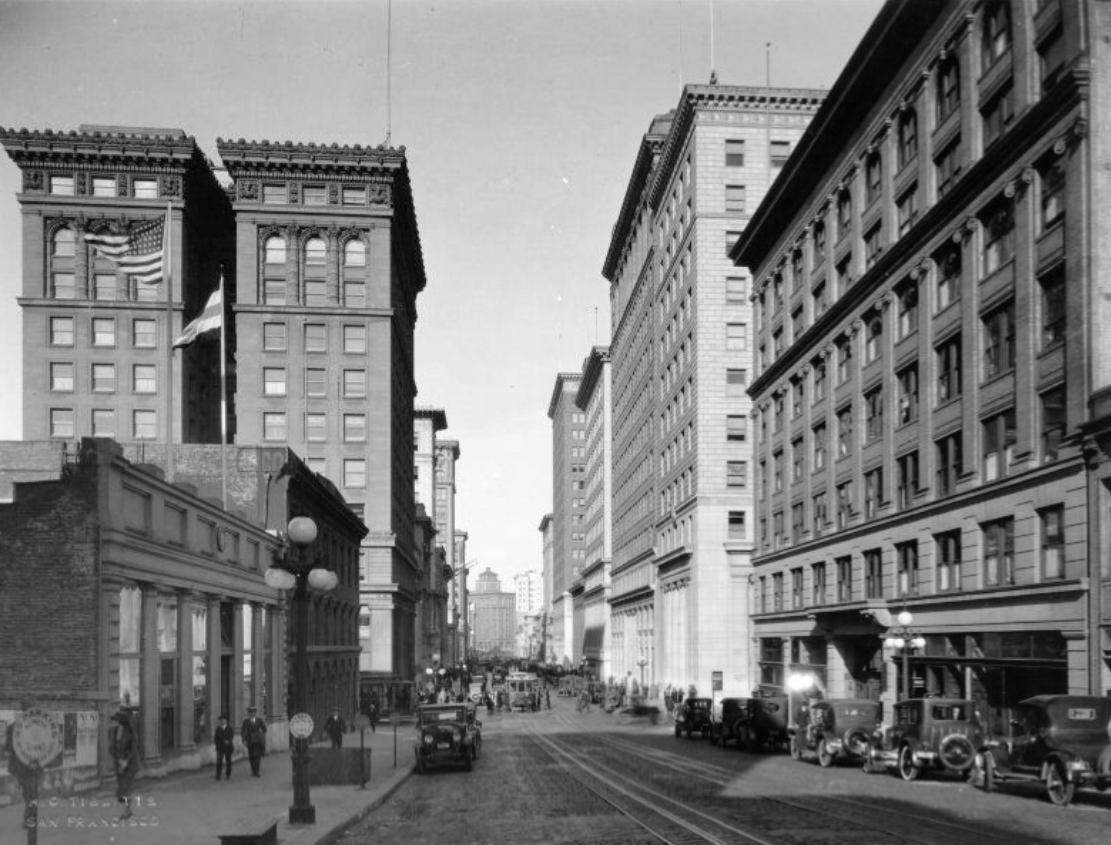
[[592, 641]]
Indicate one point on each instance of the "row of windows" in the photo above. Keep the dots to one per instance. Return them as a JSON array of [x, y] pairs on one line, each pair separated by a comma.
[[65, 185], [778, 152], [351, 383], [102, 280], [353, 427], [314, 338], [993, 566], [104, 422], [102, 377], [275, 193], [103, 331]]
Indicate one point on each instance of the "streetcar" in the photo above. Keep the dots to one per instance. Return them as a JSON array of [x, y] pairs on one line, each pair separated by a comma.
[[524, 691]]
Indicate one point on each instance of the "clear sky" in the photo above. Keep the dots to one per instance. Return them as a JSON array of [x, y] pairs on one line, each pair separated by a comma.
[[520, 118]]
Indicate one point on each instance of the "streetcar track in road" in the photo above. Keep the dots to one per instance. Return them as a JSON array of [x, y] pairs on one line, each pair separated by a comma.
[[568, 757], [728, 778]]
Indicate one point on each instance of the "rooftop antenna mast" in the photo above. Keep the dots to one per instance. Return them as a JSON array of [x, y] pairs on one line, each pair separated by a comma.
[[713, 64], [389, 66]]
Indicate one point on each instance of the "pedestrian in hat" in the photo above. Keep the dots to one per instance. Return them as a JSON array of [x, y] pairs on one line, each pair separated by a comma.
[[253, 732], [224, 740], [335, 727], [125, 755]]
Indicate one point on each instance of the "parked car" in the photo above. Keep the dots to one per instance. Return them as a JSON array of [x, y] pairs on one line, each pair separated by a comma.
[[447, 733], [836, 729], [1063, 741], [693, 716], [768, 718], [727, 716], [928, 733]]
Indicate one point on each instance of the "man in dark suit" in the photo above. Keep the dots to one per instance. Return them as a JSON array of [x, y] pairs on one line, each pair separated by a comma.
[[253, 732], [125, 755], [224, 739]]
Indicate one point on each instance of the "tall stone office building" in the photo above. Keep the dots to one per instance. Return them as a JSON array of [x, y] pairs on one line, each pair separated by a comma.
[[328, 268], [432, 632], [567, 525], [682, 497], [932, 372]]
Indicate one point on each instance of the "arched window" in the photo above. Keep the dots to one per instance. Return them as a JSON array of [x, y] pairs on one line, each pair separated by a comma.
[[273, 270], [354, 274], [62, 251], [316, 292]]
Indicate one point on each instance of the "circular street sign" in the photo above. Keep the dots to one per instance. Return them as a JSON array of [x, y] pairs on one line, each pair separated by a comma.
[[36, 737], [300, 725], [395, 719]]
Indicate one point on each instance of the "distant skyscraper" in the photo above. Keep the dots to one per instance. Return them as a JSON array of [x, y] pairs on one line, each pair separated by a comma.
[[529, 587], [568, 509]]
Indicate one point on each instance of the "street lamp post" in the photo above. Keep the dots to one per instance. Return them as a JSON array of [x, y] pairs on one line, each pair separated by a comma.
[[293, 569], [642, 661], [906, 639]]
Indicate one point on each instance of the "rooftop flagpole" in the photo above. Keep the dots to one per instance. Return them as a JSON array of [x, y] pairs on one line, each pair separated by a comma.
[[223, 398]]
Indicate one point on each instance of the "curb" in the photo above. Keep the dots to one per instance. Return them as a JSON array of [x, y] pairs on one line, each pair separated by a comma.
[[338, 830]]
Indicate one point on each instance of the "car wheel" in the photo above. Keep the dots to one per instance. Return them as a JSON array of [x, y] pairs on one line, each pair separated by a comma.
[[984, 765], [678, 731], [1057, 785], [825, 759], [796, 749], [956, 752], [907, 770]]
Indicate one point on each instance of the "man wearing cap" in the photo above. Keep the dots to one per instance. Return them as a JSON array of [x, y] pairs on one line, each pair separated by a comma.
[[335, 727], [224, 739], [125, 755], [253, 732]]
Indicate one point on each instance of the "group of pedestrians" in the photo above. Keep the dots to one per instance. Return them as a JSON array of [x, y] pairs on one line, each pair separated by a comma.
[[253, 734]]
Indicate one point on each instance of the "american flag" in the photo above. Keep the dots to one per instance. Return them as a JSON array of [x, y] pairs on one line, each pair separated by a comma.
[[138, 253]]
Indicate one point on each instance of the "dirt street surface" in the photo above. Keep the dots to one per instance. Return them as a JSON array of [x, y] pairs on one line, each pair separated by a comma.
[[599, 779]]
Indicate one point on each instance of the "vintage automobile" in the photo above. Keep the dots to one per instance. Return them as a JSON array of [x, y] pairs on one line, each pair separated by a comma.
[[836, 729], [1063, 741], [447, 733], [928, 733], [766, 726], [693, 716], [727, 716]]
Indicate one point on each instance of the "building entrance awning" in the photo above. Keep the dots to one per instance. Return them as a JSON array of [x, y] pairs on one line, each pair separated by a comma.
[[592, 642]]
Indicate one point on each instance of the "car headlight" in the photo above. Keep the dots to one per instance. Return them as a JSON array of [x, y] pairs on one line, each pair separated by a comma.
[[1078, 766], [454, 735], [427, 739]]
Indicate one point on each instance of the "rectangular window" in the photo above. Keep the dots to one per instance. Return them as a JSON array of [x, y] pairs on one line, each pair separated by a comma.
[[844, 578], [104, 378], [314, 195], [873, 492], [104, 331], [997, 115], [1052, 195], [736, 473], [146, 189], [354, 340], [844, 504], [734, 153], [844, 274], [1053, 308], [873, 415], [819, 514], [274, 337], [142, 333], [61, 186], [996, 34], [999, 237], [316, 337], [104, 186], [354, 428], [316, 428], [907, 210], [797, 600], [999, 552], [798, 460], [63, 286], [949, 369], [316, 383], [777, 591], [948, 464], [819, 366], [873, 245], [999, 340], [735, 289], [949, 278], [906, 556], [354, 473], [999, 444], [948, 547], [736, 427], [735, 337], [948, 88], [61, 377], [735, 198], [819, 241], [780, 152], [104, 287], [273, 381], [906, 480], [1051, 59], [104, 422], [845, 431], [144, 424], [144, 378], [907, 379], [818, 453], [274, 426], [798, 398], [354, 384], [844, 213], [821, 300], [818, 584], [61, 422], [777, 471], [1053, 542], [735, 382], [354, 196], [948, 167], [731, 239], [873, 574], [737, 529], [908, 137], [1053, 422], [873, 338], [844, 359], [274, 194], [906, 296], [873, 178]]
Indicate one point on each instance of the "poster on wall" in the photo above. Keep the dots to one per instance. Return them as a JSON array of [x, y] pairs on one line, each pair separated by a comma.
[[87, 725]]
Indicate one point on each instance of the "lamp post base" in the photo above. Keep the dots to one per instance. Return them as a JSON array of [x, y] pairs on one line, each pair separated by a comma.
[[302, 815]]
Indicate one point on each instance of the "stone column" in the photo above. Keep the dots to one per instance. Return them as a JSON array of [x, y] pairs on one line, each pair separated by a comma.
[[238, 706], [260, 672], [215, 675], [149, 670], [184, 704]]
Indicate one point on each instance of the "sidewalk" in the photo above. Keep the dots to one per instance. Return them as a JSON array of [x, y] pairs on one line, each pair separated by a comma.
[[193, 808]]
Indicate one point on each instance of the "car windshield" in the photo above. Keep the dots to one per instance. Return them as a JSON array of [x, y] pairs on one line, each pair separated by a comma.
[[442, 716]]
